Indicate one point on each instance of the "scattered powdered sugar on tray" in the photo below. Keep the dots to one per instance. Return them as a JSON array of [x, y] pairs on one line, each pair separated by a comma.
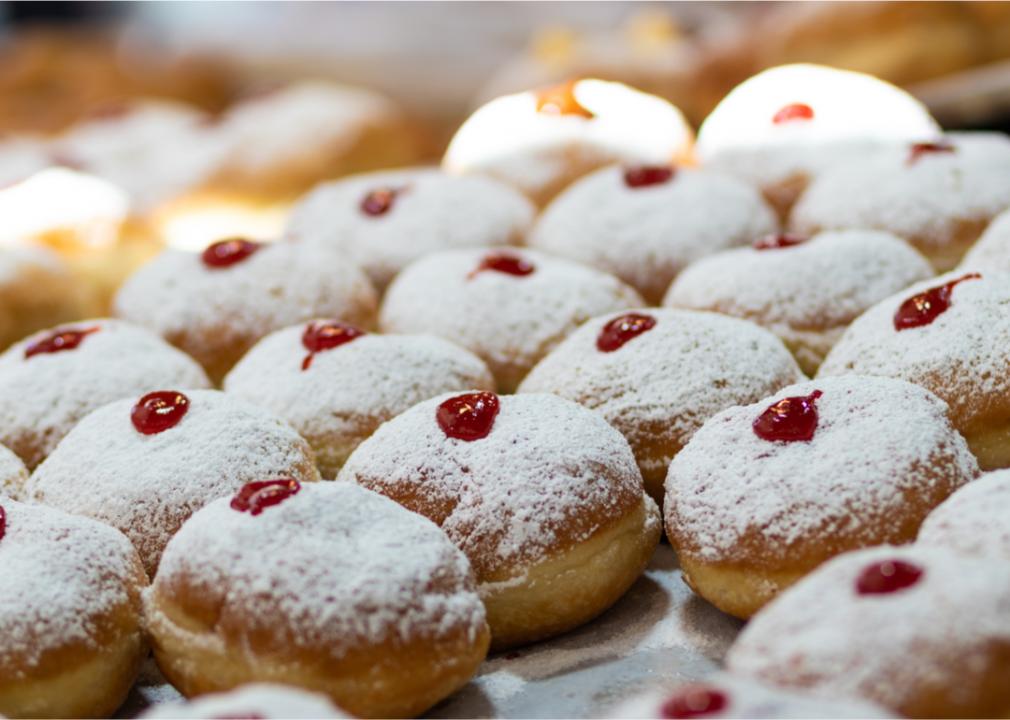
[[975, 520]]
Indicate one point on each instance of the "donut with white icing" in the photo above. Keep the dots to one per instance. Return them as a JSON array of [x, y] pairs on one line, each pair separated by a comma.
[[786, 125], [950, 335], [657, 375], [646, 223], [920, 631], [992, 251], [385, 220], [49, 381], [541, 140], [70, 614], [144, 465], [335, 384], [216, 304], [509, 307], [268, 701], [939, 196], [805, 290], [765, 493], [975, 520], [541, 494], [323, 586]]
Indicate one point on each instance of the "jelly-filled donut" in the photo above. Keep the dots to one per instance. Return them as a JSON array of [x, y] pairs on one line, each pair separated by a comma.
[[541, 140], [765, 493], [645, 223], [951, 335], [541, 494], [785, 126], [510, 307], [263, 701], [52, 379], [992, 251], [975, 520], [938, 195], [70, 614], [658, 375], [723, 695], [805, 290], [383, 221], [144, 465], [13, 474], [215, 305], [325, 586], [335, 384], [921, 631]]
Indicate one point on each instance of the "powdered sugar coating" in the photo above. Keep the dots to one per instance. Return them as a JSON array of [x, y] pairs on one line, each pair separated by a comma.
[[975, 520], [881, 447], [431, 211], [746, 698], [13, 474], [549, 475], [960, 356], [259, 700], [357, 569], [43, 397], [992, 251], [933, 640], [216, 314], [63, 578], [351, 389], [647, 235], [807, 294], [147, 485], [665, 383], [927, 201], [510, 322]]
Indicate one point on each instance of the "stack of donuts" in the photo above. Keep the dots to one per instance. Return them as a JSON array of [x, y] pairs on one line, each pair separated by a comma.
[[451, 411]]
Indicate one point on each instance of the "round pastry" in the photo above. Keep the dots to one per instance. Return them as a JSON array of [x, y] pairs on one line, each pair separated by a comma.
[[69, 614], [765, 493], [383, 221], [365, 602], [658, 375], [645, 224], [145, 465], [805, 290], [264, 701], [13, 474], [215, 305], [921, 631], [975, 520], [787, 125], [992, 251], [542, 495], [541, 140], [939, 195], [509, 307], [52, 379], [336, 384], [951, 335], [726, 696]]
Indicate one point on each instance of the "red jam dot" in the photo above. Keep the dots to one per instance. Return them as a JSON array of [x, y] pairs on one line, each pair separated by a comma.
[[621, 329], [469, 416], [792, 112], [226, 253], [791, 419], [776, 242], [927, 306], [887, 577], [508, 263], [256, 496], [560, 100], [646, 175], [58, 341], [3, 522], [159, 411], [325, 335], [694, 702], [918, 150], [379, 201]]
